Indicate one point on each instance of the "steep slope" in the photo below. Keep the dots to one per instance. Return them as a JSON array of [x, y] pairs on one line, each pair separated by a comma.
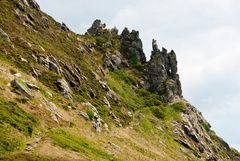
[[66, 96]]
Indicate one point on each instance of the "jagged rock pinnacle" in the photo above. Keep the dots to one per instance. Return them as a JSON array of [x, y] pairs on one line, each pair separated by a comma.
[[132, 45], [161, 72]]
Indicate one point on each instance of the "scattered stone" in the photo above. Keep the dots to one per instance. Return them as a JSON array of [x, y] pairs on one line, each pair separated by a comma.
[[211, 158], [116, 147], [32, 86], [4, 35], [97, 122], [105, 126], [184, 143], [64, 27], [51, 63], [44, 22], [33, 4], [92, 93], [19, 85], [84, 115], [20, 6], [129, 114], [55, 113], [114, 61], [23, 60], [64, 88], [89, 105], [17, 75], [190, 133], [111, 94], [105, 100]]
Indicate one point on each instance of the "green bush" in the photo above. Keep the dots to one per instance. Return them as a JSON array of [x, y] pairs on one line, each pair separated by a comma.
[[90, 114]]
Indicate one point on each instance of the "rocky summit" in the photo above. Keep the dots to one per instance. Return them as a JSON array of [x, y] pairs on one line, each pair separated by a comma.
[[66, 96]]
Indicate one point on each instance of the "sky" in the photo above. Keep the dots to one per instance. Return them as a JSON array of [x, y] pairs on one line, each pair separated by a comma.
[[205, 34]]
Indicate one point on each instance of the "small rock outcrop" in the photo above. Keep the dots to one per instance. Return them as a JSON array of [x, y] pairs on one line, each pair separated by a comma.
[[4, 35], [33, 4], [64, 27], [115, 61], [161, 73], [19, 86], [64, 88], [51, 63], [98, 28], [132, 45]]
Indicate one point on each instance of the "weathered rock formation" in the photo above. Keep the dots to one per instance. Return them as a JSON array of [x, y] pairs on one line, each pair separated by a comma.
[[132, 46], [195, 134], [4, 35], [22, 88], [98, 28], [161, 73]]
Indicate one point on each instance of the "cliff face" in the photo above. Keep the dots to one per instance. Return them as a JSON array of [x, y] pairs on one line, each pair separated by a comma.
[[66, 96]]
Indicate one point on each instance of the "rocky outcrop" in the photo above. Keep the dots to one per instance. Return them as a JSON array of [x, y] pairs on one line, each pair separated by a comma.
[[132, 46], [98, 28], [115, 60], [4, 35], [161, 73], [195, 134], [64, 88], [20, 86], [50, 63], [64, 27], [33, 4]]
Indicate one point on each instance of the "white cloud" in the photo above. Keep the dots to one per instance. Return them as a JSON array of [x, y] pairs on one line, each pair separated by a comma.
[[204, 33]]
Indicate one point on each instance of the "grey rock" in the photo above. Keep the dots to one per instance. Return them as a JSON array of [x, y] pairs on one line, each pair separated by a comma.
[[64, 27], [18, 85], [33, 4], [114, 31], [4, 35], [44, 22], [131, 45], [104, 85], [190, 133], [51, 63], [105, 100], [55, 113], [84, 115], [97, 28], [20, 6], [115, 146], [64, 88], [97, 122], [115, 60], [185, 143], [17, 75], [111, 94], [212, 158], [32, 86], [161, 74], [89, 105]]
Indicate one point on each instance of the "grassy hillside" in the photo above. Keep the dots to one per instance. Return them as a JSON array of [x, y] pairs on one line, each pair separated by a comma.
[[79, 109]]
